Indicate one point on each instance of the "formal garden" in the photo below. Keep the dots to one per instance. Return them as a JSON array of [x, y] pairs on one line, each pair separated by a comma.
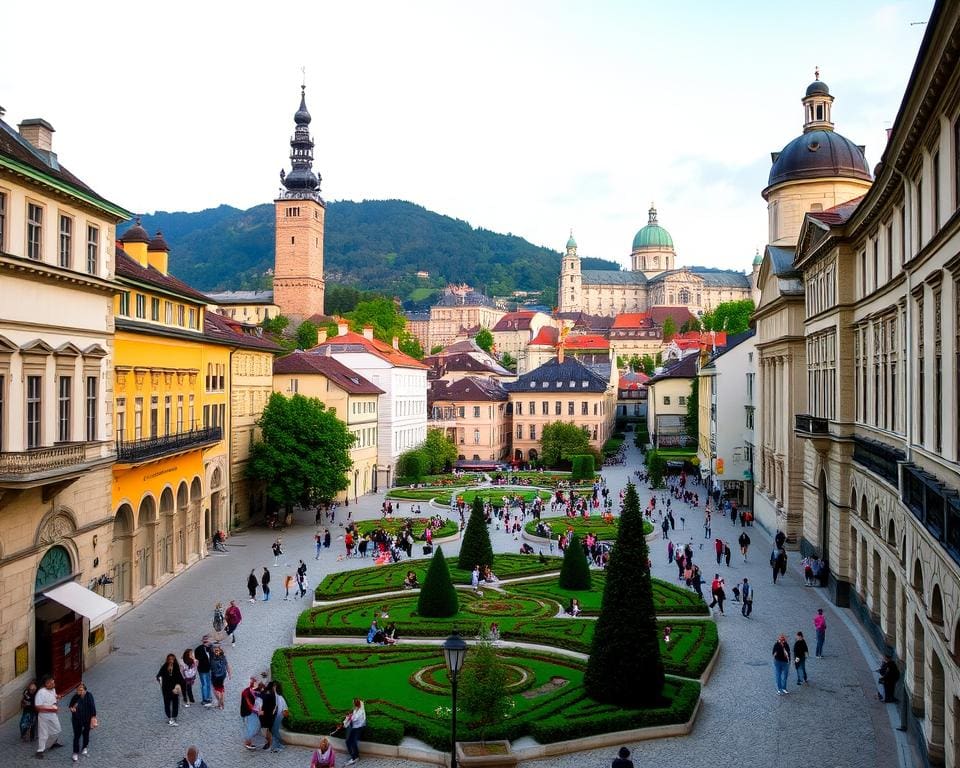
[[633, 658], [604, 527]]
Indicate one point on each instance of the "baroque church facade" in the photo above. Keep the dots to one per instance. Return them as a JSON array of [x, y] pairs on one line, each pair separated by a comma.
[[653, 280]]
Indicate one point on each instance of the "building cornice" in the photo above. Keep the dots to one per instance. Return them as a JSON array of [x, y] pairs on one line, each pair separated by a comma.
[[24, 170], [41, 271]]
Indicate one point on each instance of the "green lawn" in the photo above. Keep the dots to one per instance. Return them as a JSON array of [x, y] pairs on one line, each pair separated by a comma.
[[405, 691], [386, 578], [494, 495], [393, 525], [583, 525]]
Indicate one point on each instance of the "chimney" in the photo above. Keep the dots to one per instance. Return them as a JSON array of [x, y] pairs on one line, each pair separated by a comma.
[[321, 336], [396, 343], [560, 352], [368, 332], [38, 132], [342, 328]]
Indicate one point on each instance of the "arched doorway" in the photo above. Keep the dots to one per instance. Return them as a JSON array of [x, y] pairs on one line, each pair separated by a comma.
[[54, 567], [875, 587], [824, 505], [518, 455], [165, 545], [533, 454], [145, 542], [183, 502], [122, 552], [890, 611], [213, 519], [59, 631], [193, 524]]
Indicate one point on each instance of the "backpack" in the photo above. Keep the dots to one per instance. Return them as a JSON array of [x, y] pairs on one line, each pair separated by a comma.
[[218, 619], [218, 666]]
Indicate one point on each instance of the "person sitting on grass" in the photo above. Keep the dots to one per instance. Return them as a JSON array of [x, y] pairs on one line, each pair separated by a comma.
[[374, 634], [410, 582], [574, 608], [390, 636], [488, 575]]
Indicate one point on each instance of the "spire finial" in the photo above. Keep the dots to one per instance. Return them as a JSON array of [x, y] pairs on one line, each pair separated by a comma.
[[303, 82], [816, 72], [652, 213]]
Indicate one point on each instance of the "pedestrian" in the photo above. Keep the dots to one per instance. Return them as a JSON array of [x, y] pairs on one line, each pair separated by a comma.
[[716, 589], [820, 625], [354, 722], [726, 553], [219, 672], [323, 755], [718, 546], [800, 653], [326, 538], [746, 594], [252, 584], [622, 760], [780, 539], [188, 668], [277, 552], [171, 686], [233, 617], [28, 715], [83, 717], [192, 759], [287, 583], [265, 584], [301, 584], [744, 542], [889, 675], [282, 712], [48, 722], [778, 562], [781, 663], [318, 541], [250, 704], [268, 713], [203, 654], [218, 618]]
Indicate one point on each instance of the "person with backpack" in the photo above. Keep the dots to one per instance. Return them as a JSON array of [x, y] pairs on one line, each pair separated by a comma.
[[233, 617], [218, 620], [219, 672]]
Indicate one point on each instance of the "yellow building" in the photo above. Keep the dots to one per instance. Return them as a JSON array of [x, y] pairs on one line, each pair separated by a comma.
[[667, 393], [352, 398], [56, 350]]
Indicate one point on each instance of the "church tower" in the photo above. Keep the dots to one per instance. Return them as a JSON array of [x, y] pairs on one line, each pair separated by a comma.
[[652, 251], [570, 286], [298, 249]]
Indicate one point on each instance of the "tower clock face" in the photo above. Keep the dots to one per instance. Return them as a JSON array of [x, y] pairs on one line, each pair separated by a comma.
[[54, 566]]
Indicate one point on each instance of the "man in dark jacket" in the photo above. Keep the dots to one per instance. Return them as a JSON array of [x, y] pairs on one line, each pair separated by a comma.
[[192, 760], [889, 676], [622, 760], [265, 584], [202, 654]]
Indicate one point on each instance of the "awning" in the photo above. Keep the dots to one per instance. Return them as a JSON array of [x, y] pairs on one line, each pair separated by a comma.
[[84, 601]]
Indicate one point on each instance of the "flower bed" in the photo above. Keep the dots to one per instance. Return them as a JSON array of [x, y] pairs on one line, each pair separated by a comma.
[[582, 526], [318, 693], [392, 525]]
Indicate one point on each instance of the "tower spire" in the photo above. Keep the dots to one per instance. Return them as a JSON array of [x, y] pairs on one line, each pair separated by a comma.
[[301, 183]]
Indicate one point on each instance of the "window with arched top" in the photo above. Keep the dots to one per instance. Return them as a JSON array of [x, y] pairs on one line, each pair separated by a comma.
[[876, 517], [917, 582], [684, 296], [892, 534], [936, 606]]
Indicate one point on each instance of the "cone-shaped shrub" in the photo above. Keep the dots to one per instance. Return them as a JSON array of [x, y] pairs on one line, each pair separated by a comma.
[[475, 549], [438, 598], [625, 668], [575, 571]]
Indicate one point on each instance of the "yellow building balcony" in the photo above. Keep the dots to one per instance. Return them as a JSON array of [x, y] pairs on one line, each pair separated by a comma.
[[153, 448]]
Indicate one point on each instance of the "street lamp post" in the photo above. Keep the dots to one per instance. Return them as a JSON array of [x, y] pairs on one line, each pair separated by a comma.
[[454, 652]]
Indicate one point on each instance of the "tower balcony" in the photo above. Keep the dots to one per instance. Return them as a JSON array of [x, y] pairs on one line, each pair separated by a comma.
[[153, 448]]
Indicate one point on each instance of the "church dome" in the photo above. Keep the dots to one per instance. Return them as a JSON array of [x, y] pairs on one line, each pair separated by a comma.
[[136, 234], [758, 259], [818, 87], [652, 235], [819, 154], [571, 243]]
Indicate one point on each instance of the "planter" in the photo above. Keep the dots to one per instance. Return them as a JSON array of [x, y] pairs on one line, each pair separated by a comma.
[[486, 754]]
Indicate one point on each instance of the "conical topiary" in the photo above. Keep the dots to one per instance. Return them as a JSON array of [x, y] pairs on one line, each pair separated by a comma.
[[575, 571], [625, 668], [438, 598], [476, 549]]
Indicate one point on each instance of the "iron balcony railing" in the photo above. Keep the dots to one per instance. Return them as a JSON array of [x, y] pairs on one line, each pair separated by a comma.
[[156, 447], [812, 425]]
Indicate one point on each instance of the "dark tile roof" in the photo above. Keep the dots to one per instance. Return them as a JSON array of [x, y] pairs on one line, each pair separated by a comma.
[[612, 277], [661, 312], [839, 214], [467, 389], [228, 331], [14, 146], [337, 372], [684, 368], [514, 321], [569, 376], [782, 260], [722, 278], [129, 267], [733, 341], [584, 322], [464, 362], [473, 299]]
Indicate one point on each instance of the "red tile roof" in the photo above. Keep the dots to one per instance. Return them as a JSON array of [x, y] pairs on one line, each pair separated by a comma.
[[633, 380], [839, 214], [546, 336], [129, 267], [360, 343], [312, 362], [631, 320], [680, 315], [585, 341]]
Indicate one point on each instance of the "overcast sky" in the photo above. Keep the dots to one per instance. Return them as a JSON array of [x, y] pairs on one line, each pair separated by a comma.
[[522, 117]]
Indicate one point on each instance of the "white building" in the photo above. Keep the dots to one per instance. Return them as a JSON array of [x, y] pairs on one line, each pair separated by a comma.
[[402, 422]]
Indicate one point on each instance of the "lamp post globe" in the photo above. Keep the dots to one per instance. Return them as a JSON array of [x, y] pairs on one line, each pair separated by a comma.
[[454, 653]]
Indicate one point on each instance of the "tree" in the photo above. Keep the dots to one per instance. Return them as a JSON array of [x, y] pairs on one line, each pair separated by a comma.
[[382, 314], [436, 348], [306, 335], [582, 467], [648, 364], [275, 325], [693, 324], [730, 316], [559, 441], [575, 571], [483, 688], [410, 345], [484, 340], [692, 421], [439, 450], [508, 361], [625, 668], [635, 363], [669, 328], [304, 453], [438, 597], [475, 549], [413, 465]]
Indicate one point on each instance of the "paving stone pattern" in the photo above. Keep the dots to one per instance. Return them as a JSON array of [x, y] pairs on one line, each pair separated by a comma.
[[835, 721]]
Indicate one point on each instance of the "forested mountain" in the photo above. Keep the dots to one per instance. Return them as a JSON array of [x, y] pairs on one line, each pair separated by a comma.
[[374, 245]]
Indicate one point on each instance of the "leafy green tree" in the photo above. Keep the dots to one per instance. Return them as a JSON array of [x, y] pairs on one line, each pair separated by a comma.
[[436, 348], [306, 335], [730, 316], [438, 597], [625, 668], [692, 420], [340, 299], [508, 361], [484, 340], [475, 549], [413, 465], [582, 467], [575, 571], [410, 345], [483, 688], [275, 325], [669, 328], [635, 363], [693, 324], [304, 453], [655, 467], [439, 450], [382, 314], [559, 441], [648, 365]]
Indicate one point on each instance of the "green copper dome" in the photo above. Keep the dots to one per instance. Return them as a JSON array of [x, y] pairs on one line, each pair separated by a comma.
[[652, 235], [757, 260], [571, 243]]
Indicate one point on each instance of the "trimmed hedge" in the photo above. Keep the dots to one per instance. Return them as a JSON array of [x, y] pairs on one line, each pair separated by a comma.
[[575, 573], [438, 598], [393, 524], [582, 467], [475, 548]]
